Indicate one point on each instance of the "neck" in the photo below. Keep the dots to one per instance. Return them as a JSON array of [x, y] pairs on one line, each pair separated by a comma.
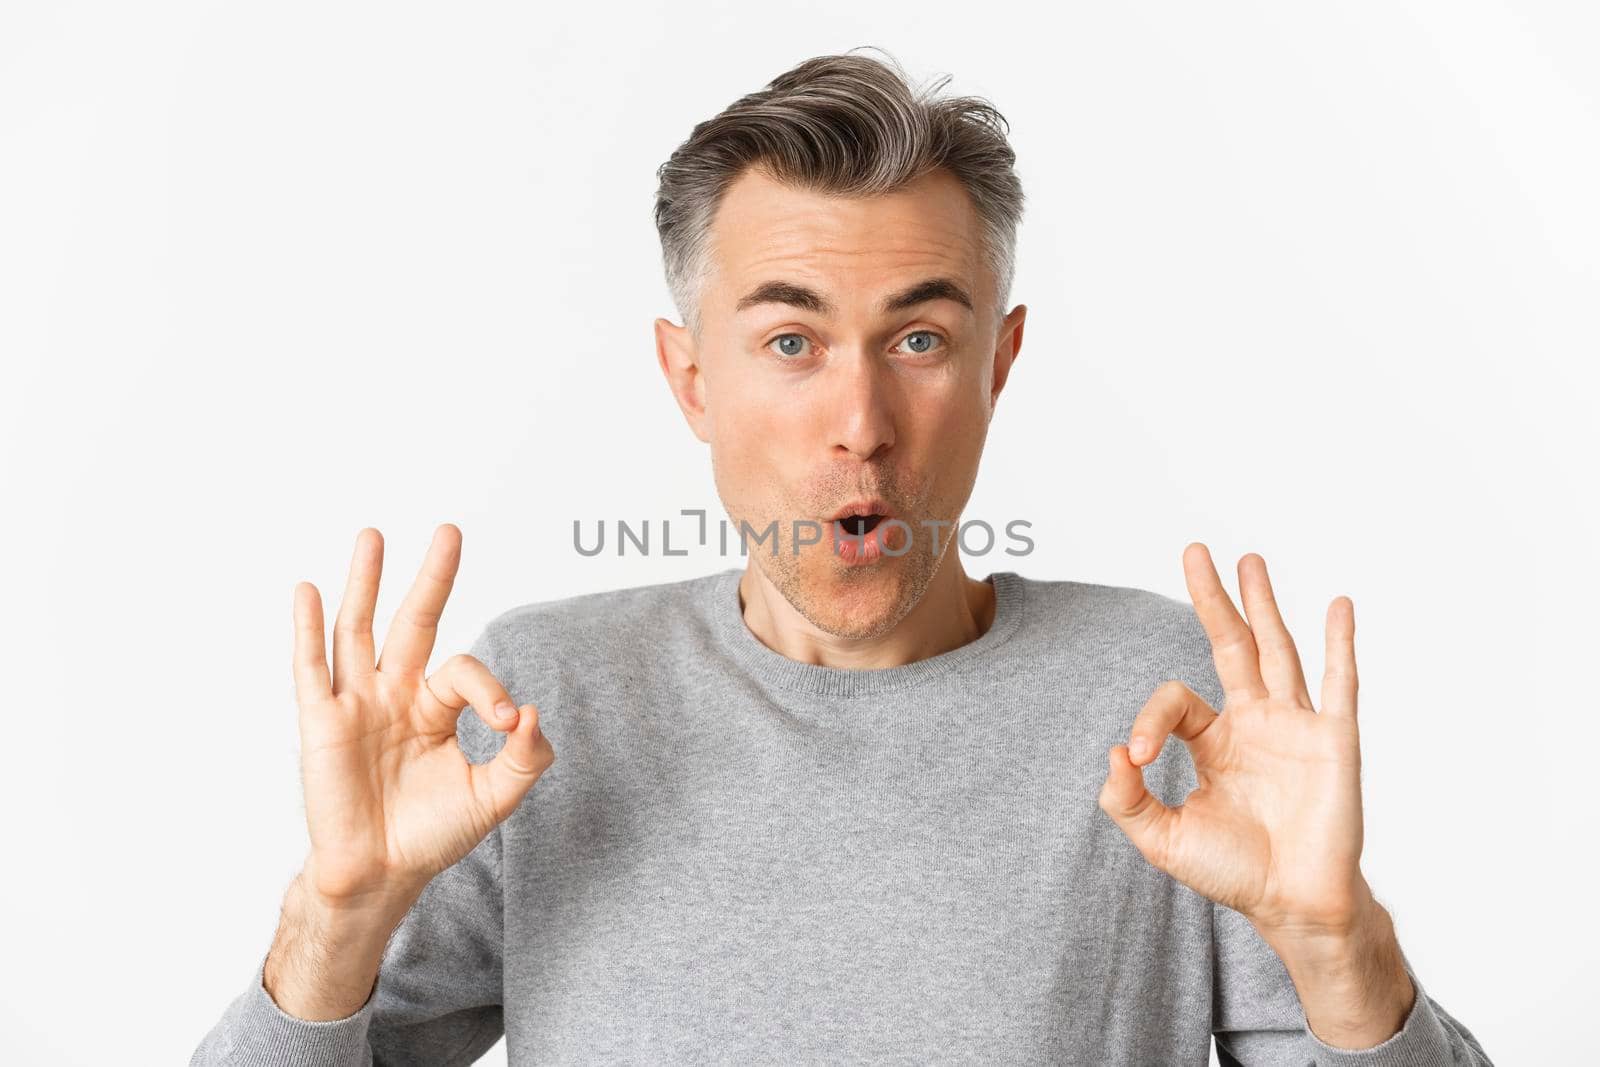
[[953, 611]]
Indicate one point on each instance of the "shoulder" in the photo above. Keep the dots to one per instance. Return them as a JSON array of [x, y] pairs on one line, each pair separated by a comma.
[[620, 638], [1100, 651], [596, 626], [624, 637], [1128, 628], [1127, 615]]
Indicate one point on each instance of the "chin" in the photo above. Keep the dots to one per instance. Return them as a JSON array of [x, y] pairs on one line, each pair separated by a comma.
[[859, 601]]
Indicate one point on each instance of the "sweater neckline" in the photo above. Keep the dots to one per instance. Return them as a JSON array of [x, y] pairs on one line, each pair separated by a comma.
[[775, 668]]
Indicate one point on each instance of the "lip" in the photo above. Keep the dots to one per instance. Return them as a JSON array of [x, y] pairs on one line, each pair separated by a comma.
[[855, 550], [865, 506]]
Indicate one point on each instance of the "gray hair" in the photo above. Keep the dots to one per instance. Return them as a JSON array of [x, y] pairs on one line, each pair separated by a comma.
[[845, 125]]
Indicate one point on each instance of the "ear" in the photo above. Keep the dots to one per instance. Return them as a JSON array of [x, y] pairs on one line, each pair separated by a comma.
[[1007, 347], [679, 357]]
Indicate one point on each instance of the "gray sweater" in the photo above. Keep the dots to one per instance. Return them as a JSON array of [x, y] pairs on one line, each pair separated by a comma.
[[741, 858]]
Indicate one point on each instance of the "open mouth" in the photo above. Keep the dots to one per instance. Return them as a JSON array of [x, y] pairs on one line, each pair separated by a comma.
[[858, 538], [861, 515], [857, 525]]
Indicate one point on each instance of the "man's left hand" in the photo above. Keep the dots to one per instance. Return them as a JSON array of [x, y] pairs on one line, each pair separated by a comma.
[[1274, 829]]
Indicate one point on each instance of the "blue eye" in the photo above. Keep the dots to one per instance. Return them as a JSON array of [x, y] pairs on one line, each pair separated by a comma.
[[793, 345], [786, 350], [923, 333]]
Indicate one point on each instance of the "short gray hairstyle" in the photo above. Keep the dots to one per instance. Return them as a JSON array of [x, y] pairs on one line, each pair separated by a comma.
[[844, 125]]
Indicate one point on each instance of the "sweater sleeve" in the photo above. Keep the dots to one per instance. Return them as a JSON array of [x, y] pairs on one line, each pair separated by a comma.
[[438, 996], [1257, 1020]]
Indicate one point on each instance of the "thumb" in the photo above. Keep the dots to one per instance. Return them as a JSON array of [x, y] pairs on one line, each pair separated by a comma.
[[1144, 819], [525, 756]]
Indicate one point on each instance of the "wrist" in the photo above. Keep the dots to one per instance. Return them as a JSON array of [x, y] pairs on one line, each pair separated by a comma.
[[324, 960], [1337, 951], [349, 922], [375, 899], [1350, 978], [1339, 914]]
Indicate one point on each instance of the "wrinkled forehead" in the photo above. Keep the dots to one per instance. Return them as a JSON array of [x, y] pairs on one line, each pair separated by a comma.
[[853, 251]]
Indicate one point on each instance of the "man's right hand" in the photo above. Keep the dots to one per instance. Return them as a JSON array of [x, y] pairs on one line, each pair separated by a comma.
[[390, 798]]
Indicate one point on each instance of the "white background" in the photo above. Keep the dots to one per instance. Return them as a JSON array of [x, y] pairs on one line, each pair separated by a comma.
[[1317, 281]]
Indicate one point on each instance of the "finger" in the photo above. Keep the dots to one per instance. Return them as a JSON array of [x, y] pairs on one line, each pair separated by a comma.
[[352, 630], [409, 642], [1145, 820], [1173, 708], [1339, 682], [506, 779], [1233, 649], [462, 680], [1280, 660], [311, 681]]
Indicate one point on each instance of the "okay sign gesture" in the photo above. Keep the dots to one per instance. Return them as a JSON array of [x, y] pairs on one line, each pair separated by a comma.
[[1273, 829], [391, 799]]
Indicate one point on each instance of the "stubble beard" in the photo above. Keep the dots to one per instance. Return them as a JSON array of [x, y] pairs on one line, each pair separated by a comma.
[[859, 603]]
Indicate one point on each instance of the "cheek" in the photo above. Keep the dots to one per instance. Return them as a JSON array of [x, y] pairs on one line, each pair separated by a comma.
[[746, 423], [754, 446], [946, 413], [762, 415]]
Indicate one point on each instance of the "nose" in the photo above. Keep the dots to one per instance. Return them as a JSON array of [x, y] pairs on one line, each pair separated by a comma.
[[861, 405]]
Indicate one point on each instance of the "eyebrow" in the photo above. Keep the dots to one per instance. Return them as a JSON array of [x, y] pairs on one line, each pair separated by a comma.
[[810, 300]]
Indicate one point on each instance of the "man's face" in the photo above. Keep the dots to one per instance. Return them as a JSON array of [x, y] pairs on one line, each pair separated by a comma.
[[808, 409]]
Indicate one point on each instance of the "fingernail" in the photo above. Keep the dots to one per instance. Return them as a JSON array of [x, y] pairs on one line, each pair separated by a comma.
[[504, 712], [1138, 748]]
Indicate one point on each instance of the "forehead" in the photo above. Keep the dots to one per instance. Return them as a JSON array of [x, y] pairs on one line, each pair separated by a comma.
[[766, 230]]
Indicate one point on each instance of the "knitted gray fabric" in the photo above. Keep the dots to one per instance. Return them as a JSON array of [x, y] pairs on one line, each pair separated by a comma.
[[741, 858]]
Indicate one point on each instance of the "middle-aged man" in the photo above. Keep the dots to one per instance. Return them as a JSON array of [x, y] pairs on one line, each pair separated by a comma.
[[845, 803]]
